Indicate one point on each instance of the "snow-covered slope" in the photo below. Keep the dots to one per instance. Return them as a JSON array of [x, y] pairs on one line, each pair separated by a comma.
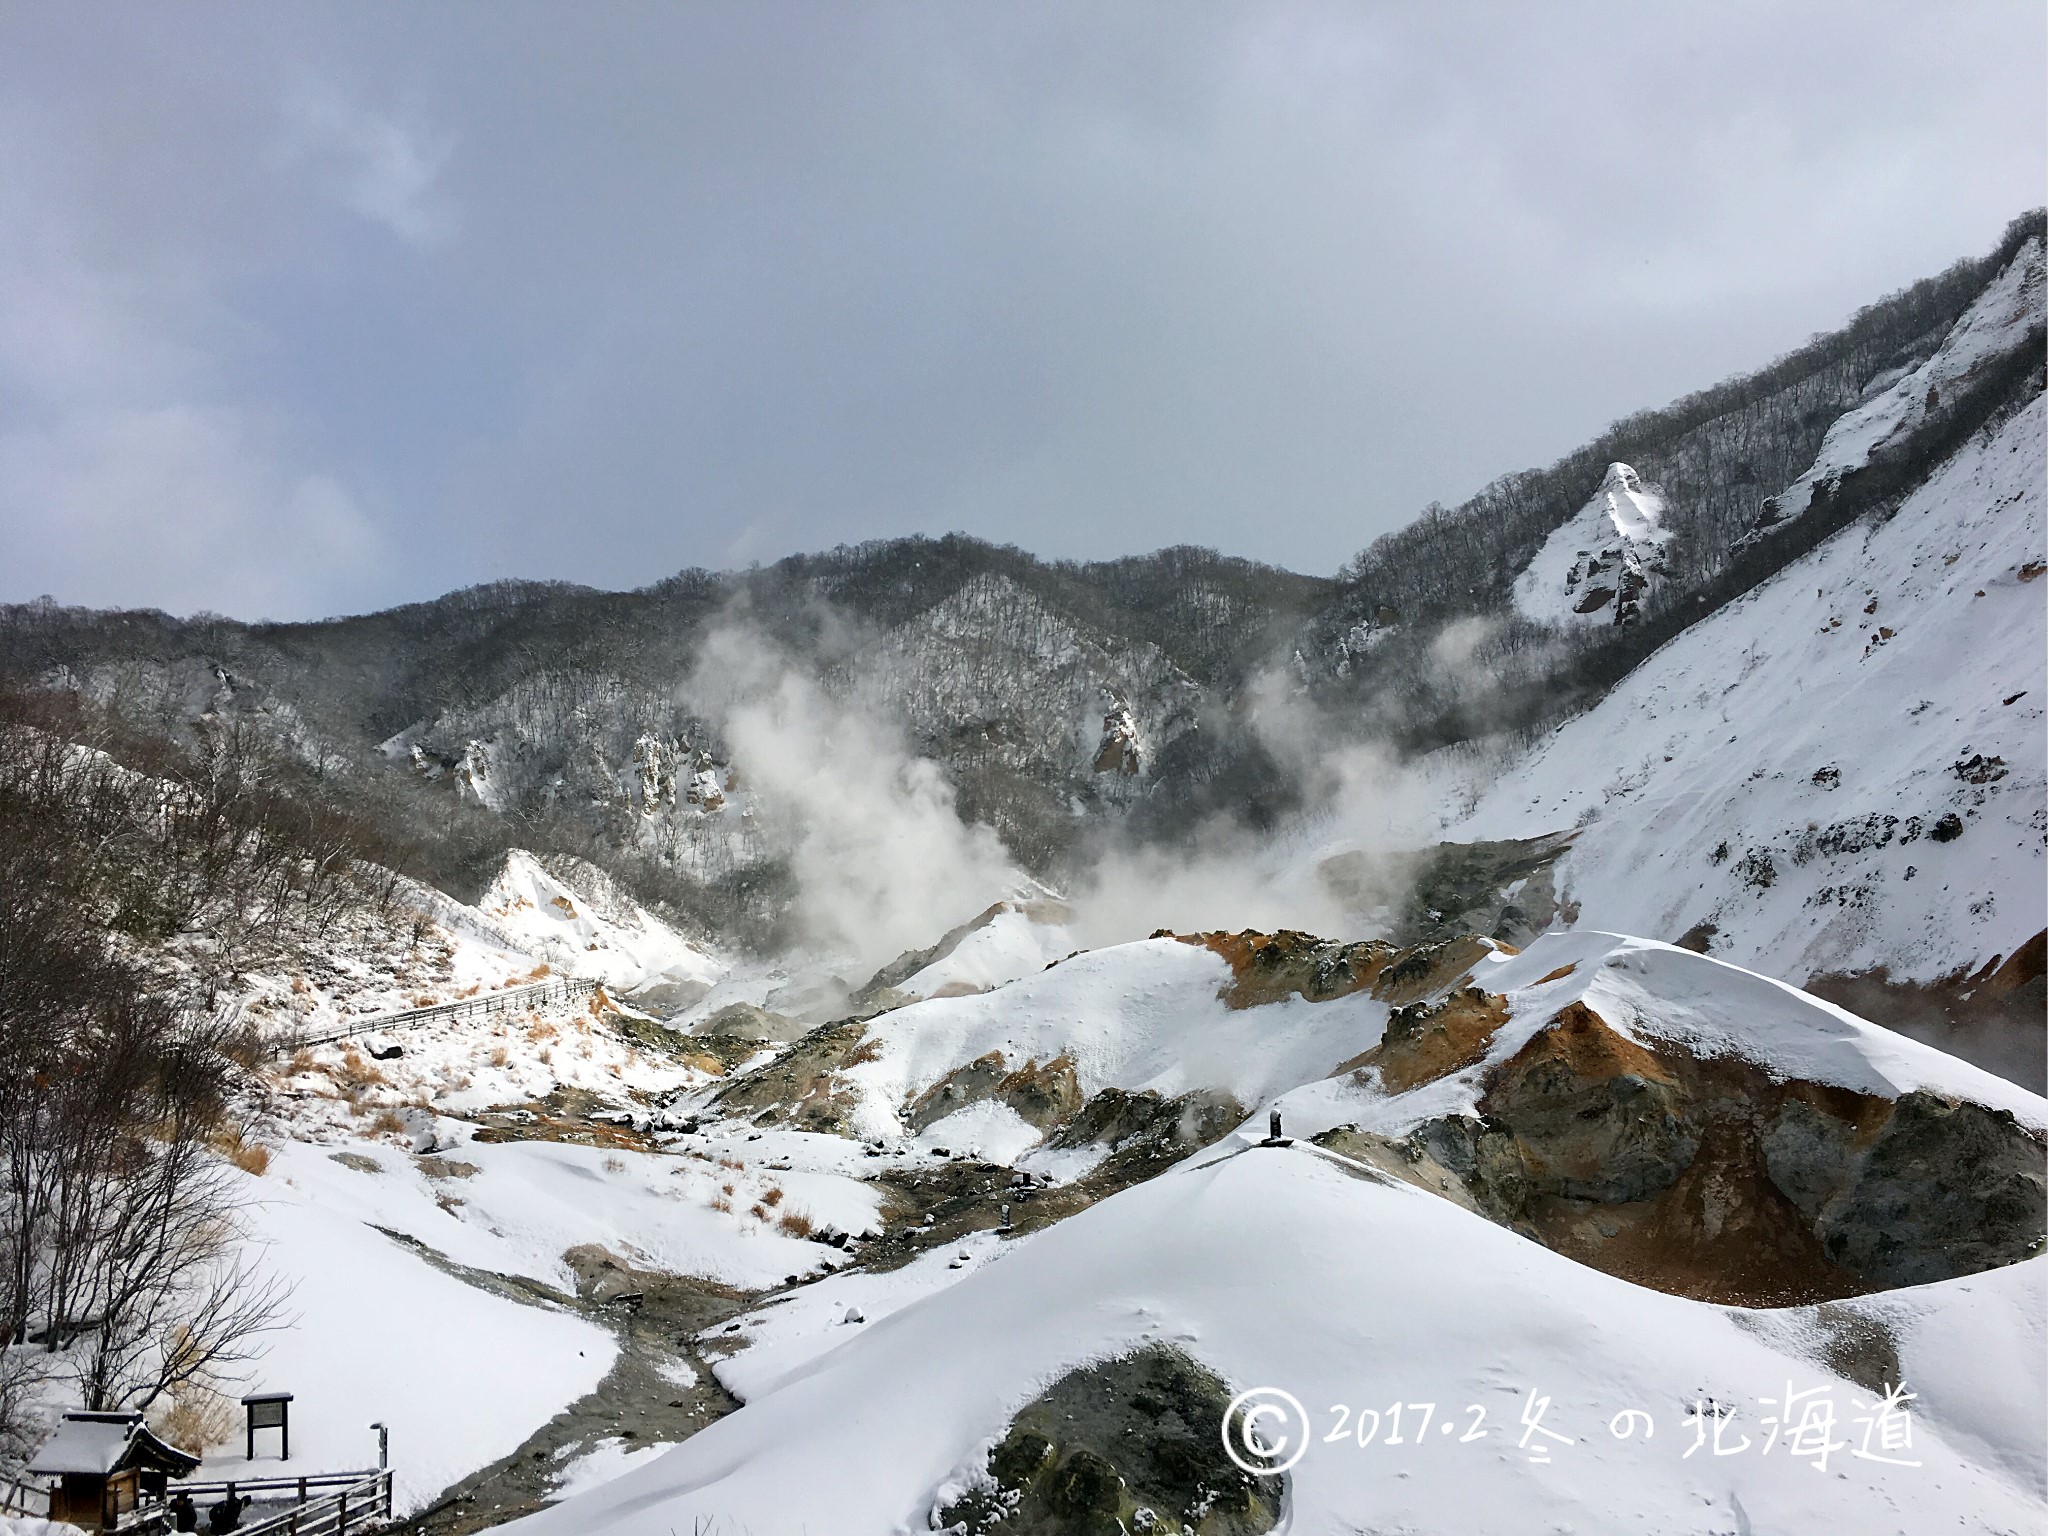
[[1143, 1016], [1598, 566], [1283, 1268], [598, 932], [1842, 769], [380, 1334]]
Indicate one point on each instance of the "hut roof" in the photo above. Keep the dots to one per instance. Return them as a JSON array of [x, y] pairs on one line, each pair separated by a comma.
[[100, 1444]]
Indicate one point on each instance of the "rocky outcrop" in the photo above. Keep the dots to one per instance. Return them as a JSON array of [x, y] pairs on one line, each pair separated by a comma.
[[1121, 750], [1042, 1095], [1597, 1117], [744, 1021], [1932, 1189], [1128, 1445], [1706, 1176], [1271, 967], [1116, 1118], [1428, 1040], [803, 1088]]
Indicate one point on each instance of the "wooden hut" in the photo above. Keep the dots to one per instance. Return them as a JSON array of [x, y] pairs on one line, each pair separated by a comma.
[[104, 1465]]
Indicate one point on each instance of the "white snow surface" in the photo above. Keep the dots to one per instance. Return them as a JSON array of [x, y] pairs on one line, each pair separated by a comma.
[[1278, 1267], [528, 1202], [1620, 524], [604, 1461], [1010, 945], [625, 947], [461, 1376], [1776, 768]]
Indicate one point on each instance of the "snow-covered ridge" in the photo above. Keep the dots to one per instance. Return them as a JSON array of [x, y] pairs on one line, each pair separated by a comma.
[[2005, 315], [1706, 1008]]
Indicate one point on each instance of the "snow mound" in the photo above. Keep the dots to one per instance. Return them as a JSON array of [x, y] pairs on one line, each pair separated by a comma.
[[1141, 1016], [1597, 567]]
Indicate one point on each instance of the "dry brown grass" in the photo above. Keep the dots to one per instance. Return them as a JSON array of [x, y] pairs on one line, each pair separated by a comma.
[[868, 1050], [196, 1419], [302, 1061], [615, 1165], [720, 1203], [540, 1032], [387, 1123], [500, 1056], [774, 1195], [758, 1211], [232, 1143], [356, 1073], [540, 972], [733, 1163], [794, 1222]]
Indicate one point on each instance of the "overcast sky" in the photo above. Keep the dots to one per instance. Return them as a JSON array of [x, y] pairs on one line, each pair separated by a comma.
[[306, 310]]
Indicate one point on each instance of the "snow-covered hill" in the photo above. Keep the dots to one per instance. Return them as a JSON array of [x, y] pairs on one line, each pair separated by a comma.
[[1285, 1269], [1338, 1271], [1301, 1267]]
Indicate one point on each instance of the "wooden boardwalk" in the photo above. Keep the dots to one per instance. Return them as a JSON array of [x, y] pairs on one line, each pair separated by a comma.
[[330, 1504], [554, 992]]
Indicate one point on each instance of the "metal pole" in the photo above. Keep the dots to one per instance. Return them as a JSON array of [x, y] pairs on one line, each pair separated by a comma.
[[383, 1446]]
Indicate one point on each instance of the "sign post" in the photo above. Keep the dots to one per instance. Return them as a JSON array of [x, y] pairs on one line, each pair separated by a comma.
[[270, 1410]]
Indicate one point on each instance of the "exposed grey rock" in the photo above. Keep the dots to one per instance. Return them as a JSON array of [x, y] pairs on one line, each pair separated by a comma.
[[1130, 1444], [744, 1021], [1945, 1189], [1609, 1139]]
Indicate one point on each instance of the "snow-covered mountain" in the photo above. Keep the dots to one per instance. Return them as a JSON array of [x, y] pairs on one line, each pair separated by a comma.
[[2004, 317]]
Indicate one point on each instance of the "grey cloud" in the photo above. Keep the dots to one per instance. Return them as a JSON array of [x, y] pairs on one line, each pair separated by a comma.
[[601, 293]]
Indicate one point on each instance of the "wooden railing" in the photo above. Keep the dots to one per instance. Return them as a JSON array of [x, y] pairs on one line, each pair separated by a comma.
[[561, 989], [330, 1504], [24, 1499]]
